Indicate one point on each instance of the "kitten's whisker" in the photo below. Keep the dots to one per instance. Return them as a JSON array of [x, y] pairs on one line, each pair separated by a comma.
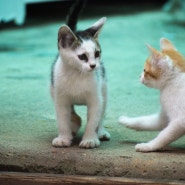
[[82, 71]]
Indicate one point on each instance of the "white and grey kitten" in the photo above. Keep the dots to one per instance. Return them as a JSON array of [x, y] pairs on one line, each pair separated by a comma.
[[78, 78], [163, 70]]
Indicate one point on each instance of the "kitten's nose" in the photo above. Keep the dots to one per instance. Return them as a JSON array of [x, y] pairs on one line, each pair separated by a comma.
[[92, 66]]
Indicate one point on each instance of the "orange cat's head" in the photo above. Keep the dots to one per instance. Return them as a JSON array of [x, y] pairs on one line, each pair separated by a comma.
[[163, 65]]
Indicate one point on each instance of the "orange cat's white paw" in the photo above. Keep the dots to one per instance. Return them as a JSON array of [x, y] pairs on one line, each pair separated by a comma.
[[61, 142], [144, 147], [90, 143], [126, 121], [123, 120]]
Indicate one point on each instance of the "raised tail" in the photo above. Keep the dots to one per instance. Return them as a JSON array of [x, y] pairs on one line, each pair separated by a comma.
[[73, 14]]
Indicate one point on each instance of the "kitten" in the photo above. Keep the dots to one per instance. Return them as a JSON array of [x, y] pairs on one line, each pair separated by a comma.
[[78, 78], [163, 70]]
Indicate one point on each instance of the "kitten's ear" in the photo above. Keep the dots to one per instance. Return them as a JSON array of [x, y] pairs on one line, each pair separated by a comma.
[[95, 29], [166, 44], [66, 37], [157, 55]]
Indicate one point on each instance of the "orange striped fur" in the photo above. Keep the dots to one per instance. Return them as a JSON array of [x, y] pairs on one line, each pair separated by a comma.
[[167, 49], [150, 71], [177, 58]]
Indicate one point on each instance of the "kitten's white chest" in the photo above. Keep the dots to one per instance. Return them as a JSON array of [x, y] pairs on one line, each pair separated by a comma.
[[77, 85], [78, 88]]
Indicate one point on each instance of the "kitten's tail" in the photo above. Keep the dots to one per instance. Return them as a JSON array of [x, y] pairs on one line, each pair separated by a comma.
[[74, 12]]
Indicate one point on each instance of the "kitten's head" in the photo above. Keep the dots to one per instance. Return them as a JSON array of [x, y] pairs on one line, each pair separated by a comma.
[[162, 66], [81, 50]]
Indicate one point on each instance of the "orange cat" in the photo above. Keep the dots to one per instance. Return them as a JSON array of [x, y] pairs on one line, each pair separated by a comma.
[[163, 70]]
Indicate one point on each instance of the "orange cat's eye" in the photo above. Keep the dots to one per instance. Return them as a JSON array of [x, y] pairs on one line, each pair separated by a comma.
[[150, 74], [145, 72]]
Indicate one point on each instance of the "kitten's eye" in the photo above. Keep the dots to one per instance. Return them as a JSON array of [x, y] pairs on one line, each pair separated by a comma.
[[83, 57], [97, 54], [144, 71]]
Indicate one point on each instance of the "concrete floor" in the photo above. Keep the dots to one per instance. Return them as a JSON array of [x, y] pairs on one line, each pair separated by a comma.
[[27, 118]]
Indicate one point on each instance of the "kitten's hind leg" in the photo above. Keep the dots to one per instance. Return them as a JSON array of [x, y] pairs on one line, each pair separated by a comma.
[[75, 122], [171, 133], [103, 134]]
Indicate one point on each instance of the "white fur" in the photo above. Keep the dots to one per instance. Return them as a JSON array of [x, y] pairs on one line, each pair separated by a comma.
[[171, 119], [76, 83], [88, 47], [169, 71]]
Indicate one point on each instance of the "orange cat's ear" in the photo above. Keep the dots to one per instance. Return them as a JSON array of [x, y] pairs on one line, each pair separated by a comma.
[[154, 53], [166, 45]]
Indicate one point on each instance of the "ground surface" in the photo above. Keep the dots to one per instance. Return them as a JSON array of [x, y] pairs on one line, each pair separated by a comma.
[[27, 118]]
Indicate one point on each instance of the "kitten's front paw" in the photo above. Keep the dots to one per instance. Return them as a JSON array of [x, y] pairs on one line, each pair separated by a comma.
[[90, 143], [124, 120], [61, 142], [103, 134], [144, 147]]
